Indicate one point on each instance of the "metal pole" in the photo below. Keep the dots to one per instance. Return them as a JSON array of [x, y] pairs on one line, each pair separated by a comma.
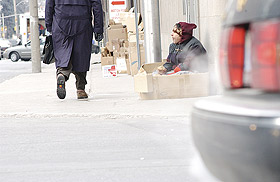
[[152, 31], [34, 30], [16, 21], [3, 25], [106, 19], [137, 33]]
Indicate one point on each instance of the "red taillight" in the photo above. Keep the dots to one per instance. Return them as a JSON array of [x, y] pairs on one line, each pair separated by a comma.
[[265, 55], [232, 57]]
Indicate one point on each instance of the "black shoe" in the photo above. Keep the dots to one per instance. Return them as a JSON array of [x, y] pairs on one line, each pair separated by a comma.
[[61, 92]]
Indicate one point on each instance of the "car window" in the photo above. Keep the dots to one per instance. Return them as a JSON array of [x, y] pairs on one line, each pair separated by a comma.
[[42, 42]]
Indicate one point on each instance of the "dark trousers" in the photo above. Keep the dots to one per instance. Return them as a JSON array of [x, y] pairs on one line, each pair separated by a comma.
[[80, 76]]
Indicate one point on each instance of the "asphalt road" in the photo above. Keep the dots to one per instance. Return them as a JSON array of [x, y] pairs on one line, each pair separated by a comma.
[[98, 150], [9, 69]]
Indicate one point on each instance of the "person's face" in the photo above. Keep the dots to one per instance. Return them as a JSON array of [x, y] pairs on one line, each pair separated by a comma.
[[175, 37]]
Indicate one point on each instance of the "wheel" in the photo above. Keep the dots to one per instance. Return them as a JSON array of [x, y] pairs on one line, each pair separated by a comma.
[[14, 56]]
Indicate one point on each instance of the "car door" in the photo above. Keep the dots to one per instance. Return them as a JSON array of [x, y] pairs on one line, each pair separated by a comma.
[[25, 52]]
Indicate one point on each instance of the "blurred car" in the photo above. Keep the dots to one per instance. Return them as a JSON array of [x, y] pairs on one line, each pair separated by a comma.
[[22, 52], [238, 133], [4, 44]]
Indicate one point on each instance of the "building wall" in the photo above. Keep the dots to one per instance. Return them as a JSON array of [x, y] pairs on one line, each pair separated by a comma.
[[210, 22], [171, 12]]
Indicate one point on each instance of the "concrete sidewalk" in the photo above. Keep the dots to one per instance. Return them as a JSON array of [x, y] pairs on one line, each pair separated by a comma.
[[34, 95]]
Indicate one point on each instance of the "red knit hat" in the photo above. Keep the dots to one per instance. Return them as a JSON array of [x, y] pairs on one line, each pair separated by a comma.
[[187, 30]]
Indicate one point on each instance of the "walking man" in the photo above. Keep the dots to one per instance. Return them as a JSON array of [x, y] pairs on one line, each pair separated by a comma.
[[70, 23]]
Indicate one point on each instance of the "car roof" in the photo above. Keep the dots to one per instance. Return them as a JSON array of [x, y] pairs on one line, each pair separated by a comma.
[[245, 11]]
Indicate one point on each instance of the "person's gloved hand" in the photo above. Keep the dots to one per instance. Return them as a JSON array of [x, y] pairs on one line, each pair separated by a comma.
[[177, 69], [161, 70], [98, 36]]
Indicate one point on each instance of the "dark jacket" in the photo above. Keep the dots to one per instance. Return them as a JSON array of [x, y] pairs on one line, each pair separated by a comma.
[[70, 23], [184, 54]]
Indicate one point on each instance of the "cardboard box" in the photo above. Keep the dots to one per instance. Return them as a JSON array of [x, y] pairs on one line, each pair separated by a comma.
[[109, 46], [128, 19], [127, 65], [112, 22], [141, 26], [132, 37], [121, 65], [143, 81], [169, 86], [117, 44], [134, 61], [120, 60], [133, 57], [116, 26], [106, 57], [119, 53], [119, 33], [107, 60]]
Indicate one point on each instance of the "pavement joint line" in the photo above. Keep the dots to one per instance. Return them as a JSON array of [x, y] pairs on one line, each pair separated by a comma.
[[93, 116]]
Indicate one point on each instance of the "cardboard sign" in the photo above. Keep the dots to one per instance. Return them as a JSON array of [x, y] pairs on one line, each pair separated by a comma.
[[115, 7], [109, 71]]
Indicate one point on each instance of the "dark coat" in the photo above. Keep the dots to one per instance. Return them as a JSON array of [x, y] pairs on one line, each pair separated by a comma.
[[70, 23], [183, 54]]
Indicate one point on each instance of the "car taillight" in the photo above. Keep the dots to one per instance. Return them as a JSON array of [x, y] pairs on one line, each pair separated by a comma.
[[232, 57], [266, 55]]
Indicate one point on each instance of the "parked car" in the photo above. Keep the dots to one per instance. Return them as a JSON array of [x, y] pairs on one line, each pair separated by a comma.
[[13, 42], [238, 133], [4, 44], [22, 52]]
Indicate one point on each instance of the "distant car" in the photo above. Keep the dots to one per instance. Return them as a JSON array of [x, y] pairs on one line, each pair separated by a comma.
[[22, 52], [4, 44], [13, 42], [238, 133]]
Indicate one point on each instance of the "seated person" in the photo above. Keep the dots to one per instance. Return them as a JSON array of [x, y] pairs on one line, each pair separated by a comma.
[[186, 53]]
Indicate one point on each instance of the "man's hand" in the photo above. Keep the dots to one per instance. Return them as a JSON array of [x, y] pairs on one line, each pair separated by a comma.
[[98, 36], [161, 70]]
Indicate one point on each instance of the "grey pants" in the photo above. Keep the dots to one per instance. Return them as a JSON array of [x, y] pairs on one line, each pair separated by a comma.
[[80, 76]]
